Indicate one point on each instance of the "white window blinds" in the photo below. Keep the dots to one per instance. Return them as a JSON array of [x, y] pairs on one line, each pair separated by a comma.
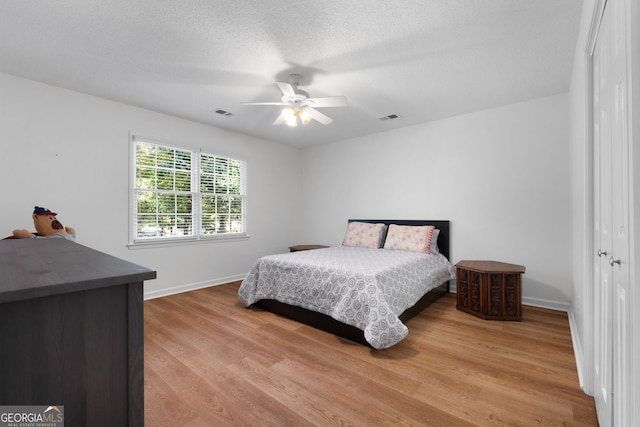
[[185, 194]]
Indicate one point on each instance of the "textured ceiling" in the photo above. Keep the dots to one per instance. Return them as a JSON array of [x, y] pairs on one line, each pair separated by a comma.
[[420, 59]]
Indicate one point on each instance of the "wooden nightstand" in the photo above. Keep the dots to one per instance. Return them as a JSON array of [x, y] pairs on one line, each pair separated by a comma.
[[297, 248], [489, 289]]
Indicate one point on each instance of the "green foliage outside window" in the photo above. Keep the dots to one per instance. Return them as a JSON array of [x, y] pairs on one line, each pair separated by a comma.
[[166, 191]]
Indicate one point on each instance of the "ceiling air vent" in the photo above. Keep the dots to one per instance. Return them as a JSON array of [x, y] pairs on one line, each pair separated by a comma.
[[223, 113], [389, 117]]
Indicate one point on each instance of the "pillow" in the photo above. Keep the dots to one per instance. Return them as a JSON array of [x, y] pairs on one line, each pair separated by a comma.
[[415, 238], [434, 242], [364, 235]]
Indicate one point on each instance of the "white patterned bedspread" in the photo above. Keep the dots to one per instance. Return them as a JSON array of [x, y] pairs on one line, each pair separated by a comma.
[[365, 288]]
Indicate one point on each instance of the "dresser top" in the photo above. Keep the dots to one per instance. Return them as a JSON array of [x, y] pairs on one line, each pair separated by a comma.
[[491, 266], [31, 268]]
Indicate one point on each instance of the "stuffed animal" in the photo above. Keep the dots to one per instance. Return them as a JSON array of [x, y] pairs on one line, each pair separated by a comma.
[[47, 225]]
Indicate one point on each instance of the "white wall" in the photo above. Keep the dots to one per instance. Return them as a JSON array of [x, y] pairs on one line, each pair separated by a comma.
[[580, 314], [69, 152], [501, 176]]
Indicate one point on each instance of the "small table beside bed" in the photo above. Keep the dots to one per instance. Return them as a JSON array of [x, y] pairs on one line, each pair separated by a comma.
[[384, 273]]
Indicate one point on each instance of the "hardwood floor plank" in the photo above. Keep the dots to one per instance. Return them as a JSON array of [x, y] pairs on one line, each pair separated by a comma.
[[211, 361], [163, 405]]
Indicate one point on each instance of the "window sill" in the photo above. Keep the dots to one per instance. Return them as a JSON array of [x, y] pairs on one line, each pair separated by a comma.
[[166, 243]]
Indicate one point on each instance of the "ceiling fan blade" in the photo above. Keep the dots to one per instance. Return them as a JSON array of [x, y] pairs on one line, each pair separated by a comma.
[[263, 103], [287, 89], [328, 101], [325, 120]]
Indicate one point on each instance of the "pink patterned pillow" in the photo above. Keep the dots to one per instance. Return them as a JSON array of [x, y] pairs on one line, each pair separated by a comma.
[[364, 235], [416, 238]]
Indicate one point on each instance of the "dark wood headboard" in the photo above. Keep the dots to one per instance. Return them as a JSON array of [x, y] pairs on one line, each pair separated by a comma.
[[443, 226]]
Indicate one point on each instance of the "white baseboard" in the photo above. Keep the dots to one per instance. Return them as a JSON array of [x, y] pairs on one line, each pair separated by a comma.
[[191, 287], [577, 348], [536, 302], [546, 303]]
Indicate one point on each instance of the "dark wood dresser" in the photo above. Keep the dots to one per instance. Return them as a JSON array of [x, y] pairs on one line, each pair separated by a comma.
[[71, 331], [489, 289]]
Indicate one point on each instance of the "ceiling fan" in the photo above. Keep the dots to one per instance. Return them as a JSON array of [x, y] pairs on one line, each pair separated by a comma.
[[299, 105]]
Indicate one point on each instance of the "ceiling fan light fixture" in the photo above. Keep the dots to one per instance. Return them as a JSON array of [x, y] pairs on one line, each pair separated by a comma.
[[290, 117], [305, 117]]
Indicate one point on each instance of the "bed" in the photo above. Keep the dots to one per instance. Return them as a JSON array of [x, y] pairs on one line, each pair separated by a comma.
[[384, 273]]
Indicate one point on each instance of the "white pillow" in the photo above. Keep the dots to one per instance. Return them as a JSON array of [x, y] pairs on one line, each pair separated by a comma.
[[415, 238], [434, 242], [364, 235]]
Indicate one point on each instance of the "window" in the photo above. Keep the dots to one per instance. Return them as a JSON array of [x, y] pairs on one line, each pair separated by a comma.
[[182, 194]]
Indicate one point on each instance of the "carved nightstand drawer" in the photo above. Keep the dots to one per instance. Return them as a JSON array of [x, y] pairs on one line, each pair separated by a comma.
[[489, 289]]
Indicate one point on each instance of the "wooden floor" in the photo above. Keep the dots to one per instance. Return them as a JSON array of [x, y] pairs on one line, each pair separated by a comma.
[[211, 362]]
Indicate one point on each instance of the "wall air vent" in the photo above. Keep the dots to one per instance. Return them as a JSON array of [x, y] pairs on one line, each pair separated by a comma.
[[389, 117], [223, 113]]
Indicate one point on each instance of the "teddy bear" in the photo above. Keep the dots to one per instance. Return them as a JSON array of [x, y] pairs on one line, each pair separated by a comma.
[[46, 225]]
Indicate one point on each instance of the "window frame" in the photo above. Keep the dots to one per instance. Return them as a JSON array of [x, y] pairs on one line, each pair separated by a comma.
[[196, 193]]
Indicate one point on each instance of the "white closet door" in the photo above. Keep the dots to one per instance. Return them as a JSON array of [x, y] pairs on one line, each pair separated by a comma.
[[620, 254], [603, 326]]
